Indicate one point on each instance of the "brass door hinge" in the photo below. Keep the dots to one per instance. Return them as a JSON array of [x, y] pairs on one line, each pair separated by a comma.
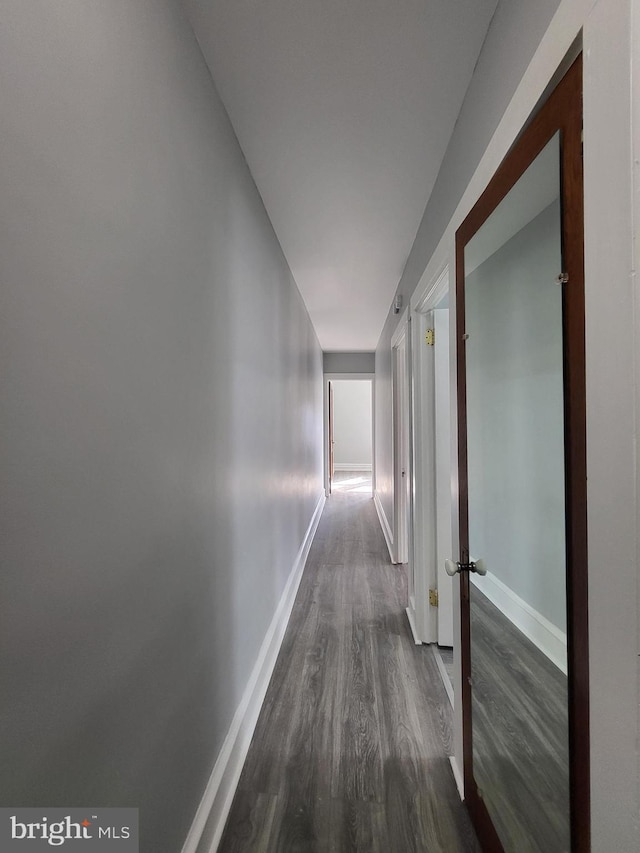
[[433, 597], [430, 337]]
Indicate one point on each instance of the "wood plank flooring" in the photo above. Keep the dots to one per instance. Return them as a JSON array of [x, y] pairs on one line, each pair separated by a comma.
[[520, 731], [350, 751]]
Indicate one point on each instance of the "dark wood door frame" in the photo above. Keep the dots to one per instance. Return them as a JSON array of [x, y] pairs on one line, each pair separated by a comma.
[[562, 113]]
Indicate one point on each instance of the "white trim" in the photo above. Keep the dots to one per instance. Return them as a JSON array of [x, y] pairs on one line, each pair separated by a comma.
[[384, 524], [431, 539], [433, 291], [444, 675], [352, 466], [612, 430], [551, 641], [412, 626], [402, 438], [401, 328], [350, 377], [457, 775], [421, 570], [442, 405], [215, 804]]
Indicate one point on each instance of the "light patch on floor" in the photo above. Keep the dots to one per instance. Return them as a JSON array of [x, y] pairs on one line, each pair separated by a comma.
[[352, 481]]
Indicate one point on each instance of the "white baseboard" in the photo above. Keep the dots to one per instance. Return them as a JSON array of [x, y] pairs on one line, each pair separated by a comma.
[[215, 805], [352, 466], [384, 524], [457, 775], [551, 641], [412, 625], [444, 675]]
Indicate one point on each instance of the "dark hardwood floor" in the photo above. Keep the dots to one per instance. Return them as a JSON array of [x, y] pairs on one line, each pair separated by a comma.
[[350, 751]]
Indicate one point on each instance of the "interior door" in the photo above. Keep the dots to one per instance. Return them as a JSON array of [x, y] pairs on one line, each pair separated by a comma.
[[522, 499], [331, 441], [442, 457], [402, 441], [421, 569]]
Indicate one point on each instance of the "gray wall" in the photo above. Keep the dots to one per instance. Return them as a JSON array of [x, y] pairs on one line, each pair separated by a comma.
[[349, 362], [514, 34], [352, 430], [160, 381]]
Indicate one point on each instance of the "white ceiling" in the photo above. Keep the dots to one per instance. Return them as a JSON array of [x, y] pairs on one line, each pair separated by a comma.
[[343, 109]]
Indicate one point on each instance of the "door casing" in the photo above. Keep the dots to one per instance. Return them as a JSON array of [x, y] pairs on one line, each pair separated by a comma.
[[402, 463], [431, 536]]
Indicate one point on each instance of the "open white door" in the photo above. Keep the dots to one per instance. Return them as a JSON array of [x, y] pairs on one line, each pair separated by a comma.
[[331, 445], [401, 442], [430, 609], [442, 402], [422, 566]]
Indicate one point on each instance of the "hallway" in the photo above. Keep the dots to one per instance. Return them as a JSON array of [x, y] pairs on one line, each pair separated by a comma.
[[350, 751], [210, 210]]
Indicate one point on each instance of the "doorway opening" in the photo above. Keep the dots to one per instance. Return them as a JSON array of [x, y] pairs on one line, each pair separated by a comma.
[[431, 589], [401, 408], [349, 433]]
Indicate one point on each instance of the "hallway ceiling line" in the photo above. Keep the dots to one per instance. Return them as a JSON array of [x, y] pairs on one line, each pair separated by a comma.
[[343, 109]]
